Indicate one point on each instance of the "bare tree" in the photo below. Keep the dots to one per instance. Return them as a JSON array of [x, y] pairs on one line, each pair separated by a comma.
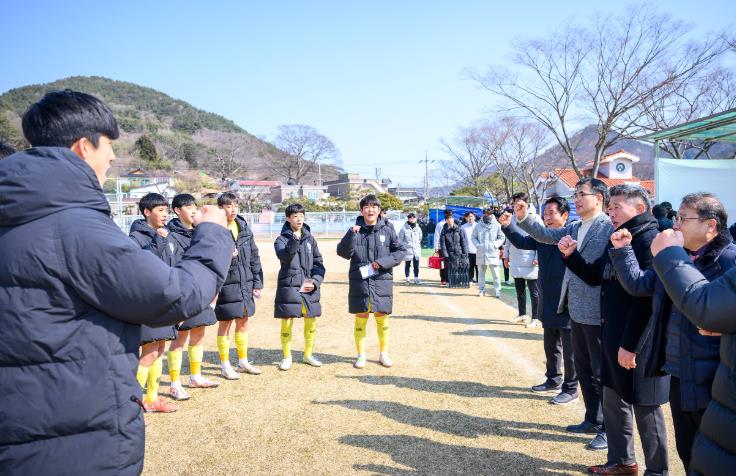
[[470, 154], [303, 149], [523, 142], [606, 75], [227, 157]]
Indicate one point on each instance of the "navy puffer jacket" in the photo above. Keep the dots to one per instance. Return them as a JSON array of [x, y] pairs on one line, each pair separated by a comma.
[[74, 290], [245, 275], [300, 259], [372, 243]]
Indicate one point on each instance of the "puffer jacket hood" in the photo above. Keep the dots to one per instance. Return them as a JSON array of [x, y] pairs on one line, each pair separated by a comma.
[[38, 182], [142, 226]]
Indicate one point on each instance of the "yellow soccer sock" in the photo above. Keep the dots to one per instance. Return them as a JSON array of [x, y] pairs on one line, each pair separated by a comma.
[[310, 334], [154, 377], [142, 375], [241, 344], [174, 359], [223, 348], [360, 333], [286, 328], [383, 331], [196, 352]]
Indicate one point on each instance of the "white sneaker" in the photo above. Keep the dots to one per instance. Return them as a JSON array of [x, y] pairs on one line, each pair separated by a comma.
[[311, 360], [360, 362], [197, 381], [408, 281], [522, 318], [285, 364], [247, 367], [498, 294], [481, 293], [534, 323], [227, 372], [177, 392], [384, 359], [416, 281]]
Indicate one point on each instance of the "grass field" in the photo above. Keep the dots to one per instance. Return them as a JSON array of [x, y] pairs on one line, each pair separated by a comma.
[[456, 401]]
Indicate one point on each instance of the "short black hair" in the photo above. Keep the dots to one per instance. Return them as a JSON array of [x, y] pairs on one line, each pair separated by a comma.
[[659, 211], [369, 200], [5, 150], [520, 196], [294, 208], [63, 117], [183, 200], [411, 215], [667, 205], [226, 199], [629, 192], [596, 186], [151, 201], [707, 206], [562, 205], [449, 213]]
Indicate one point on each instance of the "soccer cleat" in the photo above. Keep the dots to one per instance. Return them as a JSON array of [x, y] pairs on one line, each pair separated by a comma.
[[384, 359], [177, 392], [228, 373], [285, 364], [311, 360], [359, 362], [534, 323], [197, 381], [159, 406], [247, 367]]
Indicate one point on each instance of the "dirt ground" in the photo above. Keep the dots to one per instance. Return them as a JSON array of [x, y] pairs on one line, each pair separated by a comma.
[[456, 401]]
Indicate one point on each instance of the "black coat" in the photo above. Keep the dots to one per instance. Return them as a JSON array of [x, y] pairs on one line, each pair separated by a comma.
[[372, 243], [181, 236], [245, 275], [146, 237], [698, 354], [709, 306], [624, 318], [453, 244], [74, 290], [551, 273], [300, 259]]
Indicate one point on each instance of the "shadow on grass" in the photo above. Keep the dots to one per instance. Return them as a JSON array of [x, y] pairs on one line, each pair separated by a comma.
[[459, 388], [500, 333], [259, 357], [445, 319], [424, 456], [460, 424], [466, 293]]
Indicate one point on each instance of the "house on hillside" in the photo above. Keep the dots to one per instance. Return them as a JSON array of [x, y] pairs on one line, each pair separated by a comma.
[[405, 194], [258, 190], [314, 193], [164, 188], [615, 169], [348, 183]]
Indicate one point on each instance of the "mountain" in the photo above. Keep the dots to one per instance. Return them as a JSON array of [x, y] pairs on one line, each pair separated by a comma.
[[185, 137]]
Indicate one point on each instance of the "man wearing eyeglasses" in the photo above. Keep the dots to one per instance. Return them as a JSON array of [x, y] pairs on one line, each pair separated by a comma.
[[580, 299], [687, 353]]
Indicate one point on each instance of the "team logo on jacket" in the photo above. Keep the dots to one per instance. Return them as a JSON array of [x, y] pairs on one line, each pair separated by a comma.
[[309, 247], [382, 238], [172, 247]]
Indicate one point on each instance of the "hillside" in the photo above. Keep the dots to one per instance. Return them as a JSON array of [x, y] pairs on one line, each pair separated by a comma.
[[184, 136]]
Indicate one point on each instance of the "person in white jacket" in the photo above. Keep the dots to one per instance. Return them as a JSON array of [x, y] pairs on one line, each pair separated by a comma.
[[468, 228], [487, 239], [410, 236], [524, 269]]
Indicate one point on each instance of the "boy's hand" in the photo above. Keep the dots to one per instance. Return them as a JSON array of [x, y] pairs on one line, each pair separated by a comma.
[[375, 265], [162, 232], [308, 287], [256, 293], [355, 228], [210, 214], [506, 263]]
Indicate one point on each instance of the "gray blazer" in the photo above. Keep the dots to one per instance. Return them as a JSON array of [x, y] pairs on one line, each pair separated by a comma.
[[582, 301]]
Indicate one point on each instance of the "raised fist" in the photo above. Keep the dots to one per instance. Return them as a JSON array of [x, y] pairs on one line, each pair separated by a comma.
[[666, 239], [505, 219], [162, 232], [567, 245], [521, 208], [621, 238], [355, 228]]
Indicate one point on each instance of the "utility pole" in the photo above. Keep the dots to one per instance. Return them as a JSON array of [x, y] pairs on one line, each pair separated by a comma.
[[426, 174]]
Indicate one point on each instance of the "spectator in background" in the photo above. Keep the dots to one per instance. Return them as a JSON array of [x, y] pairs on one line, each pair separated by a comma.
[[660, 213], [437, 240], [732, 230], [468, 228], [410, 237], [487, 238], [5, 150]]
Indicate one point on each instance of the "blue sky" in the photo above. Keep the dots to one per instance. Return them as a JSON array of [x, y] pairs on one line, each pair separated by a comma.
[[384, 80]]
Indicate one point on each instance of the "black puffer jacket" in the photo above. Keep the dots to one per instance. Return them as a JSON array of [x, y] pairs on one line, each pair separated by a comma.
[[300, 259], [453, 245], [181, 236], [709, 306], [245, 275], [372, 243], [146, 237], [74, 290]]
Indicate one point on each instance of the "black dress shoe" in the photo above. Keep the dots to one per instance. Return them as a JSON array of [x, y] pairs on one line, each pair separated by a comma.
[[614, 469], [584, 427], [599, 443], [547, 386]]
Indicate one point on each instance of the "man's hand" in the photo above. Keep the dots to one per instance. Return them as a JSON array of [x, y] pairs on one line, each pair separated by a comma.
[[535, 262], [704, 332], [521, 208], [309, 287], [626, 359], [355, 228], [505, 219], [162, 232], [567, 245], [506, 263], [210, 214], [666, 239], [375, 265], [256, 293], [621, 238]]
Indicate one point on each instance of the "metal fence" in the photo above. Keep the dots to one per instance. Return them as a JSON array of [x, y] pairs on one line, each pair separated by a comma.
[[268, 225]]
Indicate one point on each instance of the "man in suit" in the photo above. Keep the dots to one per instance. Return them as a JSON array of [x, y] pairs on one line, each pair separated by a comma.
[[582, 301]]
